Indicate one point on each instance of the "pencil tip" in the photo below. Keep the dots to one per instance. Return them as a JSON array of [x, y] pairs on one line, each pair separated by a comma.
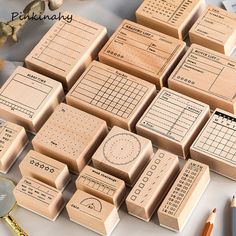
[[214, 210], [233, 197]]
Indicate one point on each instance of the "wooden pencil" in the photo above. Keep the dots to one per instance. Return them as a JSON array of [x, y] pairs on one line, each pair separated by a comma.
[[209, 224], [233, 217]]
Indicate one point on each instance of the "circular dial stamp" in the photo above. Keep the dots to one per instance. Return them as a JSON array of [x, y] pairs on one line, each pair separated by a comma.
[[121, 149]]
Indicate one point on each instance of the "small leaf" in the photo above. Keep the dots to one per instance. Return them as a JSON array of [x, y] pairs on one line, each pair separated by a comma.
[[54, 4]]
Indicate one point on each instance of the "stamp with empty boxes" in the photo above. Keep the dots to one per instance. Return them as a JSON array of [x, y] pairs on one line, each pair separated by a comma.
[[118, 113]]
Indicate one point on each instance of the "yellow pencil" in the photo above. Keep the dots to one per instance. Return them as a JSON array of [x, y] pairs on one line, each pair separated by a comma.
[[209, 224]]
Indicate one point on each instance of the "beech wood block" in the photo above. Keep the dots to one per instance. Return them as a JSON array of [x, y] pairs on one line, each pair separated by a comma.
[[101, 185], [67, 49], [207, 76], [142, 52], [112, 95], [153, 185], [39, 198], [13, 139], [92, 213], [216, 144], [172, 17], [70, 136], [215, 29], [123, 154], [45, 169], [184, 195], [173, 121], [28, 98]]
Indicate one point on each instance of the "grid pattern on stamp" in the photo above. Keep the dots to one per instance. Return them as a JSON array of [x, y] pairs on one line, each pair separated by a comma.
[[109, 91], [167, 11], [182, 189], [172, 115], [219, 138], [65, 45]]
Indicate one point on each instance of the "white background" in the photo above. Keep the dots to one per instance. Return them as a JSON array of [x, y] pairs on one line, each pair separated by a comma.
[[109, 13]]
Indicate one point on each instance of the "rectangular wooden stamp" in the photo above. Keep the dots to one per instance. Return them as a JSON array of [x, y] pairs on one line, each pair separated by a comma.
[[208, 76], [102, 185], [28, 98], [67, 49], [153, 185], [13, 139], [142, 52], [123, 154], [172, 17], [173, 121], [45, 169], [215, 29], [216, 144], [111, 94], [92, 213], [184, 195], [39, 198], [70, 136]]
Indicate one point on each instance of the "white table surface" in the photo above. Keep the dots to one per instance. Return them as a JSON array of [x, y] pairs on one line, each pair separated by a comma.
[[109, 13]]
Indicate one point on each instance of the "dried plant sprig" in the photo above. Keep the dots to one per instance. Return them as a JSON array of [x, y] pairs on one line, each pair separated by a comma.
[[36, 8]]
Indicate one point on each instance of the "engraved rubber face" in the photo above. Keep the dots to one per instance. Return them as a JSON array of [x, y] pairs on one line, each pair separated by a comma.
[[122, 149]]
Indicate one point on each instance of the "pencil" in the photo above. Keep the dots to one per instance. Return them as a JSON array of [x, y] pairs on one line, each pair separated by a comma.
[[233, 217], [209, 224]]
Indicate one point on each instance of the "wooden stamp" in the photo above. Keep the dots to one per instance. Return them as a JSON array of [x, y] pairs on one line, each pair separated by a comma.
[[202, 73], [101, 185], [28, 98], [215, 29], [215, 145], [39, 198], [70, 136], [67, 49], [123, 154], [174, 18], [45, 169], [173, 121], [13, 139], [92, 213], [112, 95], [142, 52], [184, 195], [153, 185]]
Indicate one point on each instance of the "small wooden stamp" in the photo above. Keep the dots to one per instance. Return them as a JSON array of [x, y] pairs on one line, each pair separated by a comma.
[[202, 73], [39, 198], [174, 18], [101, 185], [92, 213], [184, 195], [153, 185], [142, 52], [67, 49], [13, 139], [173, 121], [111, 94], [215, 29], [216, 144], [45, 169], [28, 98], [123, 154], [70, 136]]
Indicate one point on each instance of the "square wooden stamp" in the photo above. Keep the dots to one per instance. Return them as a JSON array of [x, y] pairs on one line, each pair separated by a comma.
[[111, 94], [67, 49], [70, 136], [123, 154]]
